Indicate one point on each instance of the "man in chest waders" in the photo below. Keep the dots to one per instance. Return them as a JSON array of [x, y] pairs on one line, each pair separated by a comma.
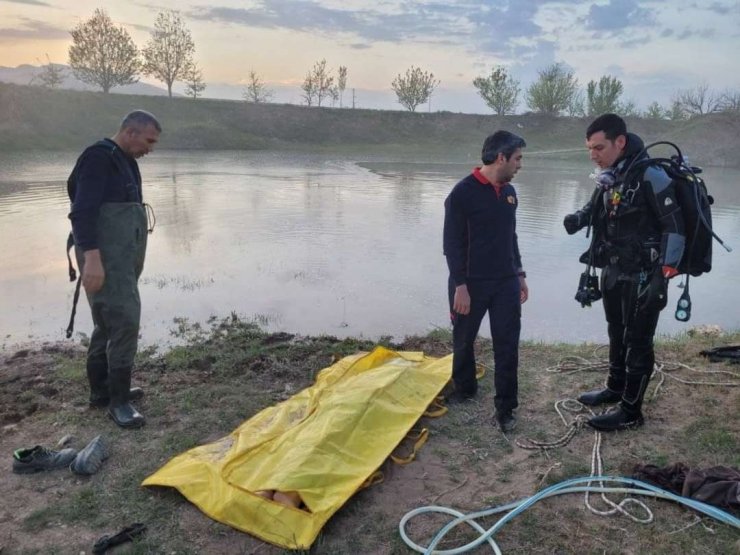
[[109, 226]]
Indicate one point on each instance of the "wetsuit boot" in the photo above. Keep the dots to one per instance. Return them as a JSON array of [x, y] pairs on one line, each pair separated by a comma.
[[628, 414], [120, 409], [616, 378]]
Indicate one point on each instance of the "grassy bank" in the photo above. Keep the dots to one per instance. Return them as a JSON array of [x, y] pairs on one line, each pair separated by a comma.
[[200, 391], [36, 118]]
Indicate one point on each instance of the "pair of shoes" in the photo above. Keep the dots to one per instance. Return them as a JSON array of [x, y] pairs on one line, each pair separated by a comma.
[[616, 419], [90, 459], [134, 394], [457, 397], [126, 416], [38, 459], [599, 397], [506, 421]]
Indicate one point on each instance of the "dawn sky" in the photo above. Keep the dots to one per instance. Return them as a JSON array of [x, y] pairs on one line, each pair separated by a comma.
[[654, 47]]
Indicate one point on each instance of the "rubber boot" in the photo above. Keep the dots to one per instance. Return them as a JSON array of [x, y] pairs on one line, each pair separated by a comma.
[[120, 409], [97, 377]]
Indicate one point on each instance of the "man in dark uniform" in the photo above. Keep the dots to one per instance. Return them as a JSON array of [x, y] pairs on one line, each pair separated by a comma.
[[109, 225], [638, 240], [486, 274]]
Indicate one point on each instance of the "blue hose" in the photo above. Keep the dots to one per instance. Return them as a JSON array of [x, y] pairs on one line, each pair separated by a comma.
[[567, 486]]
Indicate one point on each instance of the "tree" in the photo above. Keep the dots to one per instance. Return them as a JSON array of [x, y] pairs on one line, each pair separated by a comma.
[[256, 91], [102, 54], [577, 104], [655, 111], [169, 53], [628, 109], [194, 84], [500, 91], [51, 76], [341, 82], [697, 101], [729, 101], [414, 88], [603, 97], [319, 84], [675, 112], [553, 91]]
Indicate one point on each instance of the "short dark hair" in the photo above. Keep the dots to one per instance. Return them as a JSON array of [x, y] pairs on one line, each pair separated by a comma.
[[501, 142], [611, 124], [139, 119]]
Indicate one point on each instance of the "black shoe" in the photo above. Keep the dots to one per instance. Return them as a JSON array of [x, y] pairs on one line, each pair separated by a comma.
[[134, 394], [600, 397], [90, 459], [128, 534], [457, 397], [506, 421], [37, 459], [616, 419], [126, 416]]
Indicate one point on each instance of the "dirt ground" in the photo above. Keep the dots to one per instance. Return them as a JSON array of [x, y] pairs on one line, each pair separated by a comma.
[[221, 376]]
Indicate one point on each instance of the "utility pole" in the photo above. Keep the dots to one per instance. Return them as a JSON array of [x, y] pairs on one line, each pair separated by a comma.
[[353, 98]]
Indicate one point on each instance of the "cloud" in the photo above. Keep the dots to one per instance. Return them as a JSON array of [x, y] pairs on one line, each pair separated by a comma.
[[33, 30], [28, 3], [490, 26], [618, 14]]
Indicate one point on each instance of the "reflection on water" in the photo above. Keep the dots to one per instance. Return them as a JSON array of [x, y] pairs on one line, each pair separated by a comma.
[[317, 244]]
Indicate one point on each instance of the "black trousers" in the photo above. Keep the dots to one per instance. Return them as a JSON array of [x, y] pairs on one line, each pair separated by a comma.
[[501, 299]]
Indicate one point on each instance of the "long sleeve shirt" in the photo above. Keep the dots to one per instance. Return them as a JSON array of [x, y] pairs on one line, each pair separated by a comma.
[[480, 241]]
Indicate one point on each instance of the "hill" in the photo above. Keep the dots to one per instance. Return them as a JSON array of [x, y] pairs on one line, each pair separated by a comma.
[[37, 118]]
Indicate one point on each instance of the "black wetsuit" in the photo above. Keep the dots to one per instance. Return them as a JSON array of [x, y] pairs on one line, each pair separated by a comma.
[[638, 231]]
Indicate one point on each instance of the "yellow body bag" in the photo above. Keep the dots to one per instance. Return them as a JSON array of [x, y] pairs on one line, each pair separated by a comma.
[[323, 443]]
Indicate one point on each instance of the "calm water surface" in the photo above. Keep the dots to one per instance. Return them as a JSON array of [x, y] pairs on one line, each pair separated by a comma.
[[318, 244]]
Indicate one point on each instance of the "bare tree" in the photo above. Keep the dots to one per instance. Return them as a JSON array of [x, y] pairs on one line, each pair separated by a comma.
[[699, 100], [51, 76], [414, 88], [322, 81], [675, 111], [729, 101], [256, 90], [169, 53], [341, 82], [655, 111], [102, 54], [500, 91], [194, 84], [628, 109], [309, 89], [553, 91], [603, 97]]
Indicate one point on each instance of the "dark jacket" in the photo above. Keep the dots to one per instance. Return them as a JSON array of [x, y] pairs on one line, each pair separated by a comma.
[[103, 173], [480, 241]]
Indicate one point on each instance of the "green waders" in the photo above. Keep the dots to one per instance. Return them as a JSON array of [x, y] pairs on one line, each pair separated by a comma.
[[116, 309]]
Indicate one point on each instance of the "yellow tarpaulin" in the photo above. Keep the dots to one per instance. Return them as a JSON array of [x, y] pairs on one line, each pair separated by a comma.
[[323, 443]]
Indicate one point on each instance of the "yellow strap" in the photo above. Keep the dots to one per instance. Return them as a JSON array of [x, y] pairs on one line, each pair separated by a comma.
[[480, 371], [421, 437], [436, 408], [374, 478]]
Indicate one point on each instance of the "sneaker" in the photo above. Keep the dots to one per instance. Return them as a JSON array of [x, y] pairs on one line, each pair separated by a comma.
[[90, 459], [38, 459], [506, 421]]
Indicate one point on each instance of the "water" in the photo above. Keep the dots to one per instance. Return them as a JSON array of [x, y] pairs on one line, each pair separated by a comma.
[[318, 244]]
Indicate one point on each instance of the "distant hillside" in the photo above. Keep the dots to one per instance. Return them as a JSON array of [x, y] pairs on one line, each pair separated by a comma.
[[25, 75], [36, 118]]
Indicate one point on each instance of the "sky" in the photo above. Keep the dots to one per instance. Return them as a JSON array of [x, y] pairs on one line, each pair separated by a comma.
[[654, 47]]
